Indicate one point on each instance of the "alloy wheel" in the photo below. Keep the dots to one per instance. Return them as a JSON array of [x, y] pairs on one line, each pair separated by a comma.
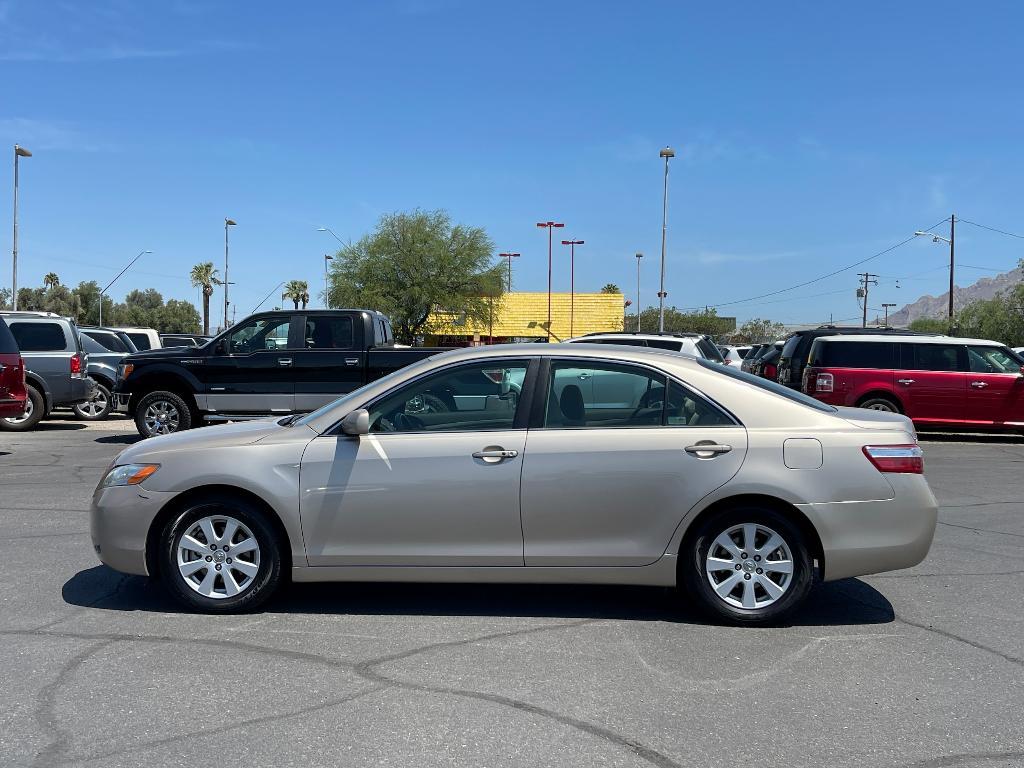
[[749, 566], [95, 407], [29, 409], [218, 557], [161, 418]]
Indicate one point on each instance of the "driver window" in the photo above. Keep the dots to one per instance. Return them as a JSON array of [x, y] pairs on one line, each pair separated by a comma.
[[259, 336], [479, 397], [991, 360]]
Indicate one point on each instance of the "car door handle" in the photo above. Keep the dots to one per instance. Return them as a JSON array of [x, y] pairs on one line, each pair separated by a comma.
[[583, 376], [494, 455], [284, 361], [906, 382], [979, 384], [707, 450]]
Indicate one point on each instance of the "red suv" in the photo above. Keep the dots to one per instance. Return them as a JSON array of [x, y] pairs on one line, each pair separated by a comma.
[[935, 380], [12, 375]]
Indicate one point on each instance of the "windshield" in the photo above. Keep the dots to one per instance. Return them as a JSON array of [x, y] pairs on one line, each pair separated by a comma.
[[766, 384], [789, 350]]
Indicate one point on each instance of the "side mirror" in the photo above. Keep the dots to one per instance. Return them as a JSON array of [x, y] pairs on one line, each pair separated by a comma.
[[356, 423], [221, 348]]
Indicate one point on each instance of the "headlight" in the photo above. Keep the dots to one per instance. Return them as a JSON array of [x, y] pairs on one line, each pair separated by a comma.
[[128, 474], [124, 370]]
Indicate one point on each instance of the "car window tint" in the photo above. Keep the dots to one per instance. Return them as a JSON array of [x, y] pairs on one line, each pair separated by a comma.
[[39, 336], [8, 346], [854, 354], [991, 360], [324, 332], [110, 342], [789, 348], [140, 340], [934, 357], [265, 334], [478, 397], [709, 350], [685, 408], [766, 384], [605, 395], [673, 345]]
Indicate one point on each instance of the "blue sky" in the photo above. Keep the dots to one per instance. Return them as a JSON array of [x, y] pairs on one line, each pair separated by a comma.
[[808, 136]]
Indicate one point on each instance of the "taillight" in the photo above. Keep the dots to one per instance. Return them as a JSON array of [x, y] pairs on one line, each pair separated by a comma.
[[823, 382], [905, 459], [770, 371], [76, 365]]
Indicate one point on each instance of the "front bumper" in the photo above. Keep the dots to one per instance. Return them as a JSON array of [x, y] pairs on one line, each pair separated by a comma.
[[119, 523], [865, 537]]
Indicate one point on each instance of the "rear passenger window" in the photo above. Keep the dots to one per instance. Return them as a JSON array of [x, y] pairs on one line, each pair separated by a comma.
[[141, 341], [932, 357], [856, 354], [329, 333], [39, 336], [710, 351]]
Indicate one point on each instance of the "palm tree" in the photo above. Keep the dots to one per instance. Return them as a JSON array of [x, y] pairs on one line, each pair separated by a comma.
[[51, 280], [205, 276], [610, 288], [296, 290]]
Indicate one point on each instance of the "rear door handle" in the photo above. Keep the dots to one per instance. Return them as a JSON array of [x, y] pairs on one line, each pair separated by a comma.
[[707, 450], [284, 361], [979, 384], [494, 455], [906, 382]]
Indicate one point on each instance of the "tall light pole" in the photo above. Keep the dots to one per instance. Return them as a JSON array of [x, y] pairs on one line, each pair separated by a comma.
[[666, 153], [227, 223], [549, 225], [328, 229], [886, 308], [19, 152], [572, 280], [327, 287], [107, 288], [639, 256], [267, 297], [509, 256], [952, 245]]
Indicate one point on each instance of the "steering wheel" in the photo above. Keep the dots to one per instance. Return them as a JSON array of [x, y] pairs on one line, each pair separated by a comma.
[[406, 423]]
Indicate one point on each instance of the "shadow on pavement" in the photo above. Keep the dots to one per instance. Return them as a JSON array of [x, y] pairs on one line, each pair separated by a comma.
[[56, 426], [836, 603], [118, 439]]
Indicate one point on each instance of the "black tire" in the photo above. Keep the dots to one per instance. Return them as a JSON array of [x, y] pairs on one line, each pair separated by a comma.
[[179, 416], [96, 409], [880, 403], [35, 410], [255, 591], [698, 582]]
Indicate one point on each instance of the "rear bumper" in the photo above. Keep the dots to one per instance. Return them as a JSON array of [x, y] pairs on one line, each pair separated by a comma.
[[865, 537]]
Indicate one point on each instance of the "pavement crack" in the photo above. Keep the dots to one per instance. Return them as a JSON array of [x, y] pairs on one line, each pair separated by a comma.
[[981, 530], [951, 761]]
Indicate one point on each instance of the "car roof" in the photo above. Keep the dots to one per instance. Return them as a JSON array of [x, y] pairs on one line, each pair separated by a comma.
[[563, 349], [916, 340], [628, 335]]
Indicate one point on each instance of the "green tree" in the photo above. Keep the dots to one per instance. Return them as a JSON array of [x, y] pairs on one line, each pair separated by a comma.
[[61, 300], [930, 325], [88, 293], [296, 291], [177, 317], [51, 280], [1000, 318], [759, 331], [32, 299], [5, 298], [204, 276], [682, 322], [610, 288], [417, 263]]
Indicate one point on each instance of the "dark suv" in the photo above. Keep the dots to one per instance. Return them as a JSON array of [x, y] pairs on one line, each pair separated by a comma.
[[56, 366], [798, 346]]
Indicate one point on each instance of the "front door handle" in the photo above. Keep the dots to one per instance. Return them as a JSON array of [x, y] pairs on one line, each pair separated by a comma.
[[979, 384], [583, 376], [906, 382], [707, 449], [494, 455], [284, 361]]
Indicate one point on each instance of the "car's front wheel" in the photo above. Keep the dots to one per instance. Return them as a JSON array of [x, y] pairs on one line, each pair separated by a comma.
[[220, 556], [162, 413], [97, 408], [748, 565]]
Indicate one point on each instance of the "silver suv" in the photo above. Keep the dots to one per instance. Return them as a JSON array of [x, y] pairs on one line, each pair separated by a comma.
[[56, 366], [697, 344]]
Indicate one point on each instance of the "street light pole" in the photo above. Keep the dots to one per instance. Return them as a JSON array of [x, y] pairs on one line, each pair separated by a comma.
[[227, 223], [951, 241], [509, 256], [19, 152], [666, 153], [327, 287], [549, 225], [115, 280], [886, 308], [639, 256], [572, 280]]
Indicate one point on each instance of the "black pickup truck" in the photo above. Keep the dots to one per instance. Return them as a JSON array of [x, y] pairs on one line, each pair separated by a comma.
[[271, 363]]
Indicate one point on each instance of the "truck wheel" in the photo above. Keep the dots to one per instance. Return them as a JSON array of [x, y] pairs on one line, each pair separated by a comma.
[[96, 409], [35, 409], [162, 413]]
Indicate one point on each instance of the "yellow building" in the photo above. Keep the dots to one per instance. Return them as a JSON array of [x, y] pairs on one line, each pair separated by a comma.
[[524, 316]]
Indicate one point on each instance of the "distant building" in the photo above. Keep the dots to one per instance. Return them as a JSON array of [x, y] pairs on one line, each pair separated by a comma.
[[524, 317]]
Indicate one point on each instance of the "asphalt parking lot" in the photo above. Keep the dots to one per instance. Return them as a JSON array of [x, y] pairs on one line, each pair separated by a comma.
[[921, 668]]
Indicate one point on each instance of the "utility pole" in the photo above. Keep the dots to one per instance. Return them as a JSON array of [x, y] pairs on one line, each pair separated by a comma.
[[509, 256], [639, 256], [327, 284], [952, 242], [866, 280], [19, 152], [666, 153], [227, 223], [572, 279], [886, 307], [549, 225]]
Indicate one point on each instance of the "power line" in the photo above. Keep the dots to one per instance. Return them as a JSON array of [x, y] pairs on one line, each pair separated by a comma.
[[989, 269], [991, 229], [824, 277]]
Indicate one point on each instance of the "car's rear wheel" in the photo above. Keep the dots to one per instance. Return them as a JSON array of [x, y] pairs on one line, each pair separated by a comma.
[[748, 565], [162, 413], [96, 409], [35, 410], [220, 556], [879, 404]]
